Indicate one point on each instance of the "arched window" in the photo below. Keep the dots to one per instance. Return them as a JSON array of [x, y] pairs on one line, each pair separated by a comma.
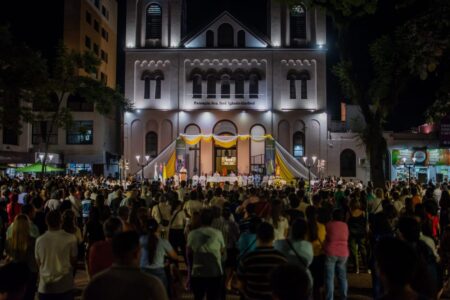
[[239, 86], [225, 87], [153, 22], [241, 39], [158, 88], [147, 88], [298, 22], [304, 76], [211, 86], [209, 39], [151, 144], [147, 76], [197, 86], [292, 91], [225, 36], [303, 89], [299, 144], [348, 163], [253, 86]]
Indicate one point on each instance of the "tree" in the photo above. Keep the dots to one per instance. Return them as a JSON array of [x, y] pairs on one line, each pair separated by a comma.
[[65, 80], [415, 46], [40, 95], [23, 73]]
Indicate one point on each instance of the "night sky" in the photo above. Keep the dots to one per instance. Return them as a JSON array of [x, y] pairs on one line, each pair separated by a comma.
[[40, 25]]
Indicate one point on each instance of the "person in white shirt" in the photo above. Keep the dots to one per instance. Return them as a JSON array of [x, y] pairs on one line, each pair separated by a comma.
[[202, 180], [195, 180], [193, 204], [436, 193], [54, 202], [56, 256]]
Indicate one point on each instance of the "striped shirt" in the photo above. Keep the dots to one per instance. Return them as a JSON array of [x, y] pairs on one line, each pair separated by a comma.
[[255, 268]]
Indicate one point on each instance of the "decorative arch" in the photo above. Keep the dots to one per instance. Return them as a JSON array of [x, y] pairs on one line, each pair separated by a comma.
[[196, 72], [284, 134], [192, 128], [225, 36], [225, 126], [153, 26], [157, 76], [348, 163]]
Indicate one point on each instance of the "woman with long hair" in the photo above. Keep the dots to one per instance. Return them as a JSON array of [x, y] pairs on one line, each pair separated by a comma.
[[177, 224], [357, 227], [153, 251], [20, 248], [279, 222], [316, 235]]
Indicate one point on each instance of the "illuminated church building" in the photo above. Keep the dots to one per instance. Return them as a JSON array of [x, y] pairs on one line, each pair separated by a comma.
[[225, 80]]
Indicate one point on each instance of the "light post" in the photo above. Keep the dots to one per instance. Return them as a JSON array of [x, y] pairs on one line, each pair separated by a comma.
[[309, 164], [409, 166], [42, 156], [143, 164]]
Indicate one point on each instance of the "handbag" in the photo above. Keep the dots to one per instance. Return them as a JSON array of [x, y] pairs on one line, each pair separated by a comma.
[[164, 222], [300, 259]]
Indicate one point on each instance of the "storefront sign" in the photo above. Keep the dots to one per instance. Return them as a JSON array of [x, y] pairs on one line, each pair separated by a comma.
[[438, 157]]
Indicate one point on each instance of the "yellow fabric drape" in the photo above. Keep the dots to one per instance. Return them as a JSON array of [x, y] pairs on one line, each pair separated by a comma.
[[225, 144], [284, 170], [192, 140], [169, 169], [222, 141]]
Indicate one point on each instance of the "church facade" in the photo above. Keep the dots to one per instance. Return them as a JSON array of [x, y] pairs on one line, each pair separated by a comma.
[[224, 79]]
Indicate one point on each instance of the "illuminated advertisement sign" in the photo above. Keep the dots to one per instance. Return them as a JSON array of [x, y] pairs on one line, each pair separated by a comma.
[[435, 157]]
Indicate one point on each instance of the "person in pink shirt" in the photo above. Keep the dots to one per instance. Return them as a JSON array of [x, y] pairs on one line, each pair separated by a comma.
[[336, 255]]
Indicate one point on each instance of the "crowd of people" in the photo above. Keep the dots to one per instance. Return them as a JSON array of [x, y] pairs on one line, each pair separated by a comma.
[[259, 242]]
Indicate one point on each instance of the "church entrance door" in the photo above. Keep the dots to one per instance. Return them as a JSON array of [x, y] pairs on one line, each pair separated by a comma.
[[225, 160]]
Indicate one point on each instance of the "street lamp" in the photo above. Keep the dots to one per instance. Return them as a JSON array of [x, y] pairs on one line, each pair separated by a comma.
[[409, 166], [143, 164], [309, 164]]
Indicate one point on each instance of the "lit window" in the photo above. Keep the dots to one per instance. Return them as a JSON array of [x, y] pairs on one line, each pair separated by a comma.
[[154, 22], [299, 144], [298, 22], [80, 133]]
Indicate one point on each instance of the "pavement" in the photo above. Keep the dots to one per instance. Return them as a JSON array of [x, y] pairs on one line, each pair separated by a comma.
[[360, 286]]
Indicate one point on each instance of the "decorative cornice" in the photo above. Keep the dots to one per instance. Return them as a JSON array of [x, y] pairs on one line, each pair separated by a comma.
[[298, 62], [152, 63], [226, 62]]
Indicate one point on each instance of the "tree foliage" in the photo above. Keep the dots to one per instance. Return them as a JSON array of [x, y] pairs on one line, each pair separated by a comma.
[[416, 46], [32, 89]]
